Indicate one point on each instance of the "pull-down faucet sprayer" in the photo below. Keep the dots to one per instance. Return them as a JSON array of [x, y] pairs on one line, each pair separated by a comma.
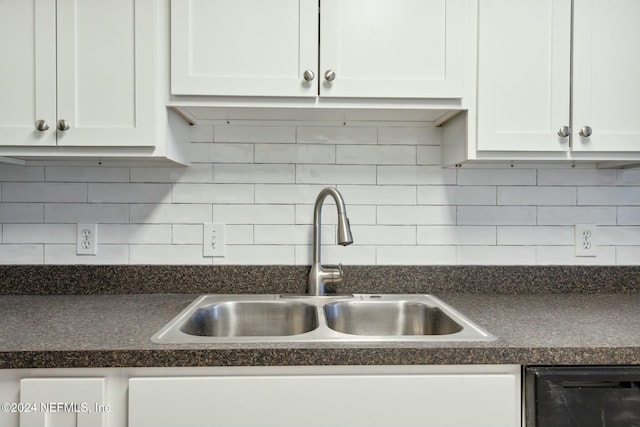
[[319, 276]]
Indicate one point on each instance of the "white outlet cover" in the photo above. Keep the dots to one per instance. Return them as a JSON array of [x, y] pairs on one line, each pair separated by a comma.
[[87, 239], [586, 241], [213, 240]]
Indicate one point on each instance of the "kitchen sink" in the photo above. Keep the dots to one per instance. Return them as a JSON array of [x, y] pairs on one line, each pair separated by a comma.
[[389, 318], [251, 318], [219, 319]]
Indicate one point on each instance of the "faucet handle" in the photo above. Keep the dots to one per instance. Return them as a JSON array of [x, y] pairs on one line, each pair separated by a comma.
[[340, 270]]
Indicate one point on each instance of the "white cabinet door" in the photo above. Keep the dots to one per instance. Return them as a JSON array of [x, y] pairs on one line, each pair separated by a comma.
[[447, 400], [392, 48], [27, 72], [105, 70], [62, 402], [524, 60], [606, 80], [244, 47]]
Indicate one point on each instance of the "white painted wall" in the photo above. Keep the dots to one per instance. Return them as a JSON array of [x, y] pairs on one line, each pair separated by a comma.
[[262, 182]]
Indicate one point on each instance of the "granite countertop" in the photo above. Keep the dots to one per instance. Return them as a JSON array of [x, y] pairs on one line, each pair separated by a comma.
[[39, 331], [104, 316]]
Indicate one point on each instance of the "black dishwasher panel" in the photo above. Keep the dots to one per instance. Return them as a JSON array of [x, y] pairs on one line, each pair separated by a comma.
[[575, 396]]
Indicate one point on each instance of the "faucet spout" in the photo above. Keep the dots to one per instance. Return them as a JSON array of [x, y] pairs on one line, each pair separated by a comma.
[[319, 276]]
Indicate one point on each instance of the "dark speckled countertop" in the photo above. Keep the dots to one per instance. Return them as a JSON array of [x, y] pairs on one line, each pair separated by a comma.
[[579, 323]]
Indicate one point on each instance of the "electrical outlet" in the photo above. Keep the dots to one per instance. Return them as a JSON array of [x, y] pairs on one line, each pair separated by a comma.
[[87, 239], [213, 240], [585, 239]]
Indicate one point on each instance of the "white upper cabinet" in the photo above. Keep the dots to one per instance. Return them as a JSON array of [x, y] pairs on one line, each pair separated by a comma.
[[392, 48], [524, 64], [243, 47], [544, 88], [306, 48], [27, 73], [86, 80], [104, 64], [606, 77]]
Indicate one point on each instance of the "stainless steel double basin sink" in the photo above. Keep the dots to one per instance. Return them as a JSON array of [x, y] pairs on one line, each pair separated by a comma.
[[303, 318]]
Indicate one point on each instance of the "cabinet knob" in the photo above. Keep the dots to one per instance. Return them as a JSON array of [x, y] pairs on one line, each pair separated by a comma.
[[564, 131], [330, 75], [63, 125], [309, 75], [586, 132], [42, 125]]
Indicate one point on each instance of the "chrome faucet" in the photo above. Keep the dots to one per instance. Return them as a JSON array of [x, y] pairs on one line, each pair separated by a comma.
[[319, 276]]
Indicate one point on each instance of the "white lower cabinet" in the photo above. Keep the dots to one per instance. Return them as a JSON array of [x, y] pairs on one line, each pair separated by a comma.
[[310, 396], [62, 402], [444, 399]]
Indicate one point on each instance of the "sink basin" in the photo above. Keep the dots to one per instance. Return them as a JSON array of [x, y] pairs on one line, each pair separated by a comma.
[[222, 319], [252, 318], [388, 318]]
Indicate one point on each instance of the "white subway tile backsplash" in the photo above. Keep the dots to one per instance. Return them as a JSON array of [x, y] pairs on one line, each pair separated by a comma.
[[257, 255], [620, 235], [429, 155], [335, 174], [415, 175], [406, 135], [286, 194], [39, 233], [536, 196], [535, 235], [378, 155], [186, 234], [129, 193], [292, 234], [212, 193], [256, 173], [456, 235], [628, 255], [133, 234], [255, 134], [496, 255], [21, 254], [456, 195], [253, 214], [295, 153], [496, 176], [378, 194], [358, 214], [577, 177], [569, 215], [416, 215], [106, 255], [170, 214], [47, 192], [221, 153], [201, 173], [417, 255], [86, 174], [626, 215], [337, 135], [629, 177], [9, 172], [86, 213], [565, 255], [621, 196], [22, 212], [496, 215], [262, 180], [334, 255], [201, 133], [167, 254], [384, 234]]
